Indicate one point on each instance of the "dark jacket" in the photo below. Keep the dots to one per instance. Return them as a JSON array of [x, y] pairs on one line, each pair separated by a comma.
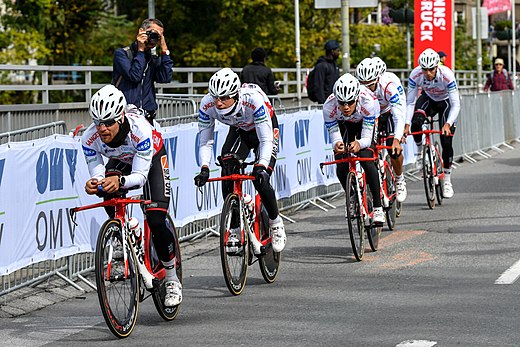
[[325, 75], [260, 74], [140, 74]]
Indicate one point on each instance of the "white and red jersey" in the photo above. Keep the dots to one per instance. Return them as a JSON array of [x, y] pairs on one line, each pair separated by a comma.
[[442, 87], [252, 111], [392, 98], [367, 111], [141, 143]]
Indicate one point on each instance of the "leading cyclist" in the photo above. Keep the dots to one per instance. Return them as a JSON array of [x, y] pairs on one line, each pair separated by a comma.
[[387, 87], [136, 158], [440, 95], [350, 114], [252, 125]]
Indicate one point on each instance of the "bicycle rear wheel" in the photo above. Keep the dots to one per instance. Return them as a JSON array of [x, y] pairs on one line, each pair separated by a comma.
[[440, 182], [166, 312], [356, 227], [118, 294], [270, 261], [391, 212], [428, 177], [233, 259], [373, 232]]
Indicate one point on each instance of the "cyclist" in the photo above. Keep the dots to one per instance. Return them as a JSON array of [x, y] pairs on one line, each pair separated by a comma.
[[350, 114], [252, 125], [440, 95], [136, 158], [388, 89]]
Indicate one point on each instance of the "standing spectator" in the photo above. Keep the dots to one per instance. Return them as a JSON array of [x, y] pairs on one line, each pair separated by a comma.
[[137, 67], [258, 73], [442, 57], [325, 73], [499, 78]]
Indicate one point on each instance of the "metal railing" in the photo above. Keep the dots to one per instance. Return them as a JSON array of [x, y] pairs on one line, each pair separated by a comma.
[[33, 133]]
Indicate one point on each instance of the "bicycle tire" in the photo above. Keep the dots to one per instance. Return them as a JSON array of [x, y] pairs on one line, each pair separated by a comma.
[[120, 314], [390, 212], [234, 265], [270, 261], [356, 224], [398, 208], [166, 312], [427, 170], [373, 232], [438, 165]]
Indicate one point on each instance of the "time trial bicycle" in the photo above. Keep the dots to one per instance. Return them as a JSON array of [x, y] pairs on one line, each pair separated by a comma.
[[432, 165], [127, 267], [244, 230], [359, 206]]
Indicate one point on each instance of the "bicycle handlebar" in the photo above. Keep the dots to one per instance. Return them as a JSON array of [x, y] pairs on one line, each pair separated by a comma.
[[346, 160], [233, 177], [111, 202]]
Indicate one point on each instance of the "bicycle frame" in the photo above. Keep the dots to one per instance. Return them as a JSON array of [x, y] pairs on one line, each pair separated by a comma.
[[120, 205], [381, 154]]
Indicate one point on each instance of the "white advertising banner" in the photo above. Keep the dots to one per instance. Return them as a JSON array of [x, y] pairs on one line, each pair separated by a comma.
[[41, 180]]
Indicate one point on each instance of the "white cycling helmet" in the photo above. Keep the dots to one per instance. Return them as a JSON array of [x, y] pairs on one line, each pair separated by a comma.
[[107, 103], [346, 88], [224, 82], [380, 64], [429, 59], [367, 70]]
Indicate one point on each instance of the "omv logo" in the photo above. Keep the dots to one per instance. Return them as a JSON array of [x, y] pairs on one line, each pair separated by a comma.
[[301, 132], [2, 164], [326, 135], [145, 145], [50, 171], [197, 146], [171, 149], [280, 137]]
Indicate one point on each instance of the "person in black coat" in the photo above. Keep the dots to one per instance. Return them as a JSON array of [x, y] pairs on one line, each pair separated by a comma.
[[258, 73], [326, 71]]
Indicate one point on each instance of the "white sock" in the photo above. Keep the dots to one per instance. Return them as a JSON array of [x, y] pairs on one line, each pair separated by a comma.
[[274, 221], [169, 267], [399, 178], [447, 175]]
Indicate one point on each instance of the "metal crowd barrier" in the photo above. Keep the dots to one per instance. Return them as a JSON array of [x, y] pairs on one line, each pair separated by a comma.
[[487, 122], [35, 132]]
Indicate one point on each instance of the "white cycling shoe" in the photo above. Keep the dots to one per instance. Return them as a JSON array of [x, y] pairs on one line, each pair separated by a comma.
[[379, 216], [447, 190], [278, 238], [401, 190], [173, 295]]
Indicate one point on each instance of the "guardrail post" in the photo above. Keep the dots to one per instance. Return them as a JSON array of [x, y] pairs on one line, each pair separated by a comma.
[[190, 82], [88, 81]]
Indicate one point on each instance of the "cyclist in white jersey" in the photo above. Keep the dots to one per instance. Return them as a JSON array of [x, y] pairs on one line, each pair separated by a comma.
[[136, 158], [440, 95], [350, 115], [253, 125], [390, 93]]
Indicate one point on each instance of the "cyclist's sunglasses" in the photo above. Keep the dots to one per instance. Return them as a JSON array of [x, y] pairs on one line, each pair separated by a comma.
[[107, 123], [430, 69], [369, 84], [223, 98], [348, 103]]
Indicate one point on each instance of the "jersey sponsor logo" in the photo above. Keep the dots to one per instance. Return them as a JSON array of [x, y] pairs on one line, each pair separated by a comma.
[[135, 138], [249, 105], [93, 138], [166, 175], [400, 90], [203, 116], [395, 99], [89, 152], [143, 146], [157, 140], [208, 106]]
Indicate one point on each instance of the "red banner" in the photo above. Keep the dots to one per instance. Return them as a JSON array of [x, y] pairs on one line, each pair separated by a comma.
[[433, 23], [497, 6]]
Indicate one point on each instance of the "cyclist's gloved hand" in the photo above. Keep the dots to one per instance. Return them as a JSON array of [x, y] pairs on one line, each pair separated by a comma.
[[261, 175], [203, 177]]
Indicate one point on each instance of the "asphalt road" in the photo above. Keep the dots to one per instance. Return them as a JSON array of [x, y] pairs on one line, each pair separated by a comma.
[[432, 282]]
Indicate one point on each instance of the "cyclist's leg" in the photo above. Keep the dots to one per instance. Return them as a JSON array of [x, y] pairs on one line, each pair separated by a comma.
[[447, 148], [422, 109], [397, 161], [233, 144], [343, 168], [157, 189]]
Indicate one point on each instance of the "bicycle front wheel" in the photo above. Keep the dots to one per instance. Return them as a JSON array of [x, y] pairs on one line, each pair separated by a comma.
[[373, 232], [234, 251], [391, 211], [166, 312], [117, 285], [270, 261], [440, 182], [356, 227], [428, 176]]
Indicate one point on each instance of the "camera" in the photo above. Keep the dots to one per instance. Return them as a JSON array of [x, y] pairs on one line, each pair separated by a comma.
[[153, 37]]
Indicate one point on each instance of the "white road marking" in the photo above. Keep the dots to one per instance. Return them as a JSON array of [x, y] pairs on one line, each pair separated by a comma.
[[510, 275], [417, 343]]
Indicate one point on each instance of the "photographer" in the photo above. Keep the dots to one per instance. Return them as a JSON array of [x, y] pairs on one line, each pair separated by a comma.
[[137, 67]]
